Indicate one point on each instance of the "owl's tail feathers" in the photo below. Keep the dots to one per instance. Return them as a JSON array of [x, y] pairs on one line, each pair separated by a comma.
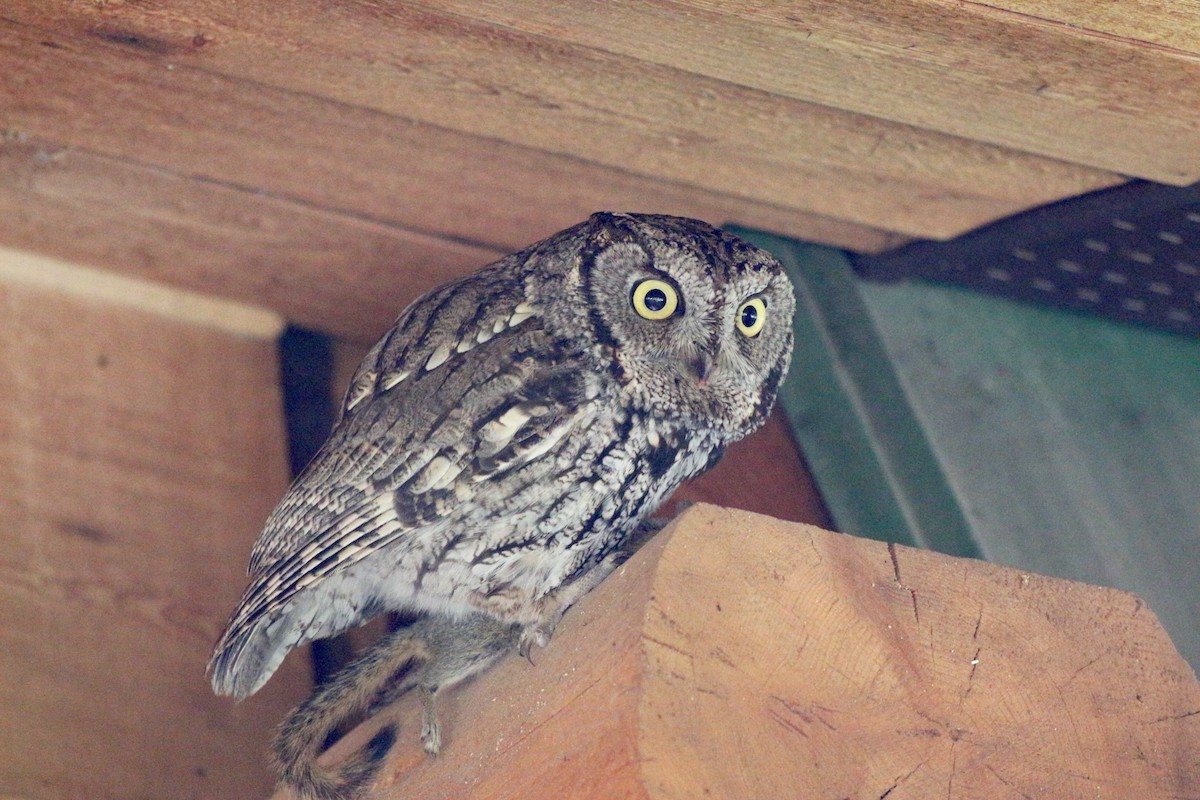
[[398, 657], [247, 655]]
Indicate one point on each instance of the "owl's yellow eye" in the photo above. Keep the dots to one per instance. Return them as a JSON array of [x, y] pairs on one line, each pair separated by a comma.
[[752, 316], [655, 299]]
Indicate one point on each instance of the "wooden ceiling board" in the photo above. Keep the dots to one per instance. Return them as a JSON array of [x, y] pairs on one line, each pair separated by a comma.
[[459, 74], [264, 195], [1170, 24], [210, 237], [322, 269], [331, 161], [966, 69]]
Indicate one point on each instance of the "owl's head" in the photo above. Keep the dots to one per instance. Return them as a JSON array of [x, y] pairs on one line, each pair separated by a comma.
[[694, 323]]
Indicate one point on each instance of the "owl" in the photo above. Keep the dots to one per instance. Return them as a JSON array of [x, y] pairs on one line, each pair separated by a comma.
[[501, 443]]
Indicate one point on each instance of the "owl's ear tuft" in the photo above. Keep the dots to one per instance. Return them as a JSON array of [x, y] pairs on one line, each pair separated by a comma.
[[607, 218], [612, 226]]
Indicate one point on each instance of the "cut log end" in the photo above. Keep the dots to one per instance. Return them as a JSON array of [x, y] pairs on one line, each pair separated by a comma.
[[738, 656]]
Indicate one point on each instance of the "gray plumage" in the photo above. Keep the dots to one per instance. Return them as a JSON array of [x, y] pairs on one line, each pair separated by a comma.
[[502, 441]]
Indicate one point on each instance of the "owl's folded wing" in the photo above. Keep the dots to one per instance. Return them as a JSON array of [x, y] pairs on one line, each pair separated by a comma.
[[395, 469]]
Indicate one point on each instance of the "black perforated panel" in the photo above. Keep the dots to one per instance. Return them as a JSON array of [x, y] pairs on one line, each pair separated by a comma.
[[1131, 253]]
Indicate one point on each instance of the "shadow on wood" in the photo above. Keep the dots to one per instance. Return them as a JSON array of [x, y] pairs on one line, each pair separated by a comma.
[[738, 656]]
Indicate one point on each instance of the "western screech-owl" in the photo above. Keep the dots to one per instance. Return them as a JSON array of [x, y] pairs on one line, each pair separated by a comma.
[[503, 440]]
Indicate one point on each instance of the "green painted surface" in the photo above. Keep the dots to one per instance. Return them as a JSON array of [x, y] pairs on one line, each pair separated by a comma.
[[1047, 441], [865, 447]]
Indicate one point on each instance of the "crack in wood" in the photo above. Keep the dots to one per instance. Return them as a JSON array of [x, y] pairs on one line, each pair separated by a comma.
[[1012, 786], [953, 767], [787, 723], [1089, 663], [85, 531], [1174, 717], [669, 646], [902, 779], [557, 712], [807, 715], [912, 593], [971, 674], [1050, 22]]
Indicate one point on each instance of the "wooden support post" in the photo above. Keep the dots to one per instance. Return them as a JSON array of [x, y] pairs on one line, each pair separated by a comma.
[[738, 656], [141, 447]]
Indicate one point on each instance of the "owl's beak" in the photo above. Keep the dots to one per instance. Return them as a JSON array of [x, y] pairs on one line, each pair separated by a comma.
[[701, 366]]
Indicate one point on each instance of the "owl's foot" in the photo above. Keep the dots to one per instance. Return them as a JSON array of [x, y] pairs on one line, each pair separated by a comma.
[[538, 634], [550, 609], [431, 730]]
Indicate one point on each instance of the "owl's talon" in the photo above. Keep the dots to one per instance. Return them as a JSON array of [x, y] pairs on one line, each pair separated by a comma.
[[431, 736], [537, 635], [525, 650]]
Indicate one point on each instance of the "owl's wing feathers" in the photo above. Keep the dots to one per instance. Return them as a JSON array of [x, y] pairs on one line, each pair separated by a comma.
[[399, 461], [452, 320]]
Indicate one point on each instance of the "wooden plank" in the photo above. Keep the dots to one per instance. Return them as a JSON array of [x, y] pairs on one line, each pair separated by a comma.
[[72, 280], [321, 268], [960, 68], [495, 84], [326, 269], [140, 451], [741, 657], [1174, 25], [343, 158]]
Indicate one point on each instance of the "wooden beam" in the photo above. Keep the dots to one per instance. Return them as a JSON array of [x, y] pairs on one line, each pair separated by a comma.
[[336, 271], [334, 156], [738, 657], [1138, 23], [324, 269], [1042, 84], [348, 121], [73, 281], [141, 447]]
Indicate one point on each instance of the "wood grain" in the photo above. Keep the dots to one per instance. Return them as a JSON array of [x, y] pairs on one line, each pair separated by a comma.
[[1174, 25], [349, 93], [325, 269], [39, 272], [742, 657], [139, 454], [958, 68], [338, 271]]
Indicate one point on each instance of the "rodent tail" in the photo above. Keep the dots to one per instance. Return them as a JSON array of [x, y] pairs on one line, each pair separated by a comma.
[[399, 657], [345, 781]]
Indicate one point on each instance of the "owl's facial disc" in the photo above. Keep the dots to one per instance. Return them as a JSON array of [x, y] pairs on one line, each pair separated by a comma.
[[699, 324]]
